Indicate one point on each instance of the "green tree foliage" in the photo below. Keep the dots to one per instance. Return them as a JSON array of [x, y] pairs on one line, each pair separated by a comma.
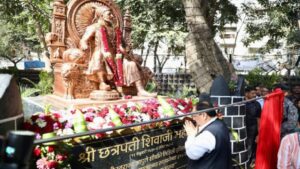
[[218, 13], [258, 77], [43, 87], [28, 20], [157, 22], [155, 19], [154, 22], [12, 43], [276, 20]]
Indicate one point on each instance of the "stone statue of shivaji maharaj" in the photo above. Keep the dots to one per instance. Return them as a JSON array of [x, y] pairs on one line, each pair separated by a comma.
[[91, 56]]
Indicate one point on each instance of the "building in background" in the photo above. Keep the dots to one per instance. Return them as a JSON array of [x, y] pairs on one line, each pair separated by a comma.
[[247, 58]]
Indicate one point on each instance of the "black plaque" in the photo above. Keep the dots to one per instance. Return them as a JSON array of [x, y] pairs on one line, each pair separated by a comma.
[[157, 148]]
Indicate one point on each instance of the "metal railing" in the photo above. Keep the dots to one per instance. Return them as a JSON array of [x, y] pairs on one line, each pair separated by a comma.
[[10, 119]]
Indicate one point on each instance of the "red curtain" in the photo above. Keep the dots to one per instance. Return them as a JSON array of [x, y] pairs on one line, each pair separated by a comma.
[[269, 131]]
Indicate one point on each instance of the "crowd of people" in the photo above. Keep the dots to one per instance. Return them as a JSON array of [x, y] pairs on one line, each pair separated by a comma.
[[288, 155], [208, 142]]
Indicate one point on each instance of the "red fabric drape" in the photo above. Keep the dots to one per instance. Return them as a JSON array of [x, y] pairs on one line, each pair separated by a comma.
[[269, 131]]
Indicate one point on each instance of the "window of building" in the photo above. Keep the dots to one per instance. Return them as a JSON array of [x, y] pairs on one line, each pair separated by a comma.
[[253, 50], [227, 36], [230, 29]]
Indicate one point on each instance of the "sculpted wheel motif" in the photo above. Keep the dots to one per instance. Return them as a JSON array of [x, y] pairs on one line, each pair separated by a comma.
[[82, 16], [85, 16]]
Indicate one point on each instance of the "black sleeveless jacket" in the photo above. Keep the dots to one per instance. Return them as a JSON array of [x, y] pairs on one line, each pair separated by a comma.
[[220, 157]]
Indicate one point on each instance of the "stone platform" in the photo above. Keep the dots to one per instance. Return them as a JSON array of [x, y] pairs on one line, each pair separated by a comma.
[[37, 104]]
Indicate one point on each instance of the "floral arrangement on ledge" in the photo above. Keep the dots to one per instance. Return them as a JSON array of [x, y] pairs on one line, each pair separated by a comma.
[[50, 124]]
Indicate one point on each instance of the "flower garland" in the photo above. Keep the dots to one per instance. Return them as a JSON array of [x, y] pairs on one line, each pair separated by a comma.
[[104, 40], [119, 59], [103, 34], [80, 120], [52, 156], [117, 68], [119, 37]]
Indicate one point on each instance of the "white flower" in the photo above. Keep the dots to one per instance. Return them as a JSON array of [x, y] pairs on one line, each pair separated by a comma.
[[160, 112], [107, 117], [160, 109], [92, 126], [59, 132], [137, 117], [145, 117], [65, 116], [68, 131], [135, 113], [130, 104], [41, 123], [62, 120], [180, 113], [99, 121], [180, 107]]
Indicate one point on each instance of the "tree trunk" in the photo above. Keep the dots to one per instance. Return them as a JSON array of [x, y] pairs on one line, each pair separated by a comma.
[[185, 64], [164, 61], [15, 65], [155, 56], [41, 35], [147, 54], [204, 58]]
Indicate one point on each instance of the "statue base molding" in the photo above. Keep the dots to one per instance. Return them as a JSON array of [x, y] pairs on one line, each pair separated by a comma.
[[36, 104], [104, 95]]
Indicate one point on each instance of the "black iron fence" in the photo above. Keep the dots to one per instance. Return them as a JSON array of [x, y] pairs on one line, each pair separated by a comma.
[[172, 83]]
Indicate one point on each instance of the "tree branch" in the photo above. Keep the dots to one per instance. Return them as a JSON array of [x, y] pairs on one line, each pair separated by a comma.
[[7, 57], [147, 54], [20, 59], [166, 58], [41, 35], [35, 9]]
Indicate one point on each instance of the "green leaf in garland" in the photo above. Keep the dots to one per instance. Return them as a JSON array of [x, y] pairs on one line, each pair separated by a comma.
[[115, 118], [195, 100], [167, 108], [47, 108]]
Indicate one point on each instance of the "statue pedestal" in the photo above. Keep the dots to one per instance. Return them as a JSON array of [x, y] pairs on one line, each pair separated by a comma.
[[32, 105], [61, 103], [102, 95]]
